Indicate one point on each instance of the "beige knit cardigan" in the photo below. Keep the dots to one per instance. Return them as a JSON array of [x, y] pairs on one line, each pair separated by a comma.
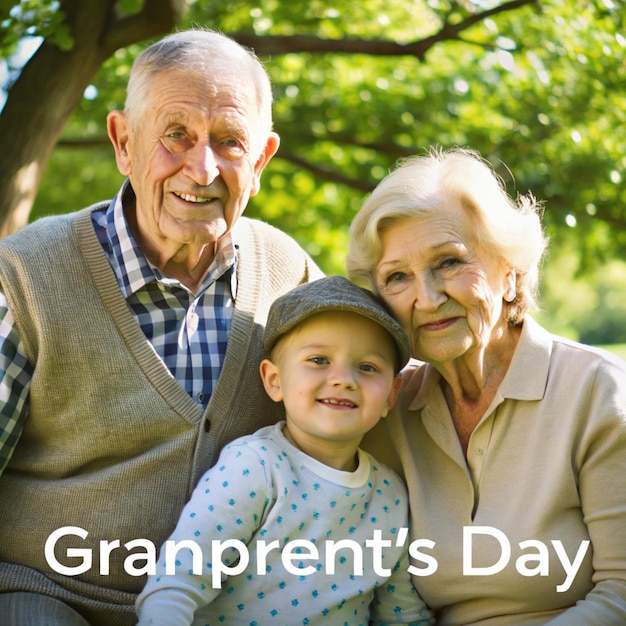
[[113, 444]]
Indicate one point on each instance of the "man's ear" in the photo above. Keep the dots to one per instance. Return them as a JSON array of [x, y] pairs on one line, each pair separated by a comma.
[[118, 130], [271, 380], [270, 149]]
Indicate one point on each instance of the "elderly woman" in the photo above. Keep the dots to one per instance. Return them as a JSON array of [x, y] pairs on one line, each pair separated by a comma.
[[512, 440]]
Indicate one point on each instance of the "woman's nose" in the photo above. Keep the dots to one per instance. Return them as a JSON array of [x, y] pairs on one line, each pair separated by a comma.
[[429, 294]]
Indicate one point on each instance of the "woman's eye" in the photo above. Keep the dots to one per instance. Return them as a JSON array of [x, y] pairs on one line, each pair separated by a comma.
[[393, 283], [395, 277]]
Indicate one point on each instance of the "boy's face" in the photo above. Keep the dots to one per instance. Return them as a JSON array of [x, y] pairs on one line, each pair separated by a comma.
[[336, 377]]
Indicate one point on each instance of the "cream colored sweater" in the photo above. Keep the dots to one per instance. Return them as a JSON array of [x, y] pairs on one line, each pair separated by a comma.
[[545, 472], [112, 444]]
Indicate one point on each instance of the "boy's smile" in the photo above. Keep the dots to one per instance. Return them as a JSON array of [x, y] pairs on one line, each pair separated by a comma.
[[335, 374]]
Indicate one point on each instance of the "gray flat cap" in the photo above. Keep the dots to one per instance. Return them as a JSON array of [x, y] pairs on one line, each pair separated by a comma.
[[333, 293]]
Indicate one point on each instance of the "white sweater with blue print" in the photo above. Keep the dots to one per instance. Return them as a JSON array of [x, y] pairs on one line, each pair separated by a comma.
[[263, 531]]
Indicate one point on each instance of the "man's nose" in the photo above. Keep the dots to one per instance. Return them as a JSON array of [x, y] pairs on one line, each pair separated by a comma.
[[202, 165]]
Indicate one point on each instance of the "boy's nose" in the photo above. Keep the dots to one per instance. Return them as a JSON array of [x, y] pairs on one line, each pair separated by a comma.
[[342, 376]]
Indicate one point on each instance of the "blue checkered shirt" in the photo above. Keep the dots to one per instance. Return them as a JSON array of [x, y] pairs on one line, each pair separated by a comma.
[[189, 331]]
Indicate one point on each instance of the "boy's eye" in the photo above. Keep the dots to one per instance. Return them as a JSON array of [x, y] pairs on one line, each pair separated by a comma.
[[368, 367], [319, 360]]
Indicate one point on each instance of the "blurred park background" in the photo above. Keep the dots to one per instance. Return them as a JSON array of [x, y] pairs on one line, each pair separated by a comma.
[[537, 87]]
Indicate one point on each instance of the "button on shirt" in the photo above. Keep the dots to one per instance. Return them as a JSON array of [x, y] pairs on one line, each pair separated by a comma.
[[188, 331]]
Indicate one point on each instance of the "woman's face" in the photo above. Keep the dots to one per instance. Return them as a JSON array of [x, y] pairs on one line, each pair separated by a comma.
[[442, 286]]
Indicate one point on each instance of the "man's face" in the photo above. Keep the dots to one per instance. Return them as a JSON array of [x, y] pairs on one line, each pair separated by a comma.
[[195, 157]]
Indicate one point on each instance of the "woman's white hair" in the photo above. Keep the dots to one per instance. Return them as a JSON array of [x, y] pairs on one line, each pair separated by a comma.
[[201, 50], [421, 185]]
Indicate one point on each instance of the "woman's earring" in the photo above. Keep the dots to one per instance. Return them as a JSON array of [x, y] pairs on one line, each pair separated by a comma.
[[509, 296]]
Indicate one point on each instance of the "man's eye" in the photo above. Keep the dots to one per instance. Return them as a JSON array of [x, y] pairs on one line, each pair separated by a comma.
[[449, 262], [233, 147], [177, 141]]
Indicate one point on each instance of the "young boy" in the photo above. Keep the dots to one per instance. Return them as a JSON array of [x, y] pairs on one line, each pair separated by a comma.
[[295, 524]]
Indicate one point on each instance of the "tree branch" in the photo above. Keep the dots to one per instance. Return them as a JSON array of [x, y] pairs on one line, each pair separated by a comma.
[[84, 143], [323, 173], [155, 18], [470, 20], [270, 45]]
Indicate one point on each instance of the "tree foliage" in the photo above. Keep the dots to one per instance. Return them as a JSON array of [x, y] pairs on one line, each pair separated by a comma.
[[539, 88], [77, 38], [32, 18]]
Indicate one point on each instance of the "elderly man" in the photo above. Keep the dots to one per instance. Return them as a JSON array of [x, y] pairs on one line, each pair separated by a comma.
[[130, 336]]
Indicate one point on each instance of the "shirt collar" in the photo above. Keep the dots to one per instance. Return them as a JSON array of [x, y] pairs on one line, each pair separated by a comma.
[[527, 376], [132, 268]]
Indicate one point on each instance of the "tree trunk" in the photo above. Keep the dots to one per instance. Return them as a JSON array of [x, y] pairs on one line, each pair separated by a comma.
[[50, 87]]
